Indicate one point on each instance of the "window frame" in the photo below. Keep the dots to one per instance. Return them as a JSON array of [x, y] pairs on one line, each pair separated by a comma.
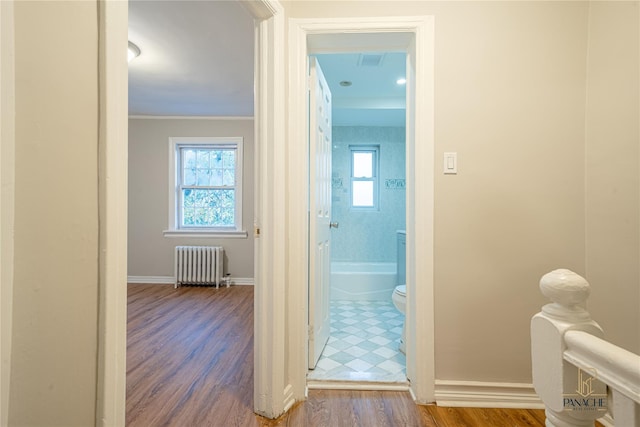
[[175, 228], [375, 178]]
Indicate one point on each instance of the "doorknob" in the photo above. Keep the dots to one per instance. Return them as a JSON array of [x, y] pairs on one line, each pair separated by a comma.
[[333, 225]]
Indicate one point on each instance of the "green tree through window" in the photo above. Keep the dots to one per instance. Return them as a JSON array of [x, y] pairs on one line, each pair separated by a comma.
[[208, 187]]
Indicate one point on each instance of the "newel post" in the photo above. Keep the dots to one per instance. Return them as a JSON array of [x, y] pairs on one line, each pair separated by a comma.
[[558, 383]]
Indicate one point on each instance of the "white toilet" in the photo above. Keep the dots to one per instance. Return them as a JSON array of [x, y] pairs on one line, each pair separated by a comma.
[[399, 296]]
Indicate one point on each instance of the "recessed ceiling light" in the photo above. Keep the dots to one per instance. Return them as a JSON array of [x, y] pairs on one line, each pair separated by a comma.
[[401, 81], [132, 52], [345, 83]]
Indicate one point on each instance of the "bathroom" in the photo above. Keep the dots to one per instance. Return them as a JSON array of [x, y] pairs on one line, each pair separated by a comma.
[[369, 204]]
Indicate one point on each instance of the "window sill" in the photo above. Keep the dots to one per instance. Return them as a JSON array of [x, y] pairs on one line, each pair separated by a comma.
[[218, 234]]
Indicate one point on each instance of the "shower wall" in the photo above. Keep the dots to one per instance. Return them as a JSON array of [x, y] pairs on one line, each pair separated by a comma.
[[368, 236]]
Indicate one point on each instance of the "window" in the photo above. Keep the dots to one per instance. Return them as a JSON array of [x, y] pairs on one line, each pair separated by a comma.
[[206, 187], [364, 176]]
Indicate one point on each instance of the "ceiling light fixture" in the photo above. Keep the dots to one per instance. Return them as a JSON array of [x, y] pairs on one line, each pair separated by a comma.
[[132, 52], [345, 83], [401, 81]]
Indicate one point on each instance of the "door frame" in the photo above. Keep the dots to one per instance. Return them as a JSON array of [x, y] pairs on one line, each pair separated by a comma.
[[113, 149], [272, 394], [415, 35], [7, 199], [269, 333]]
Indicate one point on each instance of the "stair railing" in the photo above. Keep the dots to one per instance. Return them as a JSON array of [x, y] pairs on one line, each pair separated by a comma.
[[579, 376]]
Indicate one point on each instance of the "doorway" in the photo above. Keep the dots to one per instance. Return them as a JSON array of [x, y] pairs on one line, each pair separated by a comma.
[[414, 36], [206, 179], [269, 116], [367, 213]]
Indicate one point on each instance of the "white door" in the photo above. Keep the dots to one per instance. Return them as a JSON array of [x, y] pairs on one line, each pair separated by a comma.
[[319, 211]]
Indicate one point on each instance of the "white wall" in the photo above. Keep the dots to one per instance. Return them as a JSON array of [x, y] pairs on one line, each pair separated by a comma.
[[55, 286], [510, 87], [511, 84], [150, 253], [613, 170]]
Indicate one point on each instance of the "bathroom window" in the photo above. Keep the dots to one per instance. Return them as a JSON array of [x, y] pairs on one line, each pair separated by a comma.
[[206, 186], [364, 177]]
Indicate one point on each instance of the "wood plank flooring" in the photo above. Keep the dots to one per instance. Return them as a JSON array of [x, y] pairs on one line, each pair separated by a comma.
[[190, 364], [189, 356]]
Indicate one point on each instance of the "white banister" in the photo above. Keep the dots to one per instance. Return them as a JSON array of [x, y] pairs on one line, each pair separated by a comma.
[[573, 365], [617, 367]]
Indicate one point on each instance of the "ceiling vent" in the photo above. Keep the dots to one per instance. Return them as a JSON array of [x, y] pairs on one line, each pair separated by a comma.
[[370, 59]]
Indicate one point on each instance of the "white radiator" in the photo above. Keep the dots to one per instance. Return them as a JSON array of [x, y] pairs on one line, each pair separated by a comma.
[[199, 265]]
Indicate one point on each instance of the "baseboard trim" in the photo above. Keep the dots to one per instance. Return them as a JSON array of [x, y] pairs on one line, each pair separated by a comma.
[[156, 280], [474, 394], [288, 397], [169, 280], [242, 281]]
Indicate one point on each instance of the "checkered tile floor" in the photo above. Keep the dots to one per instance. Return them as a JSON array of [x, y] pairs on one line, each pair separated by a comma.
[[363, 345]]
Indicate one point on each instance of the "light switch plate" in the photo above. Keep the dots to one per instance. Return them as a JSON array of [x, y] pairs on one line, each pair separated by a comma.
[[450, 163]]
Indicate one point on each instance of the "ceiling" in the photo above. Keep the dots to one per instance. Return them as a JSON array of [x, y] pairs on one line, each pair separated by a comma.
[[197, 60]]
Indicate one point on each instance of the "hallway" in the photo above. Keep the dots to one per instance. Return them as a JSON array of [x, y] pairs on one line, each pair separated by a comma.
[[190, 363]]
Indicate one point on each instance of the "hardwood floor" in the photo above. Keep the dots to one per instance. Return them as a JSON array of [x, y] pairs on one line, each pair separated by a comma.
[[394, 409], [190, 364], [189, 356]]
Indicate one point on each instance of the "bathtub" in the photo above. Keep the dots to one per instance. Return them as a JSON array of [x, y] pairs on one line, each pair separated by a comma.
[[363, 281]]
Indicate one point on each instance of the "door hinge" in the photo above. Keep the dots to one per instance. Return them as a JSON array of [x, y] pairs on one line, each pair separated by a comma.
[[310, 330]]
